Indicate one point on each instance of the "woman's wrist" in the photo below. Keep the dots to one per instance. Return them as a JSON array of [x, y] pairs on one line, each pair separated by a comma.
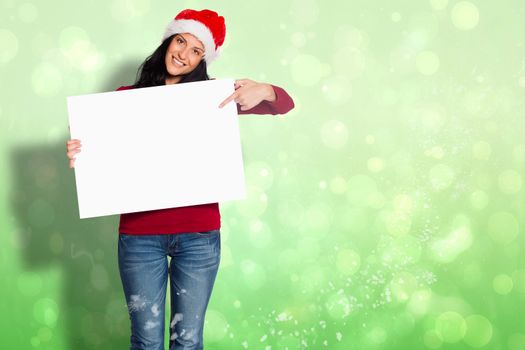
[[270, 94]]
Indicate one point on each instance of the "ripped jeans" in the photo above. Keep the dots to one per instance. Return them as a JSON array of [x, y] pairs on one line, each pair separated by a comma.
[[143, 266]]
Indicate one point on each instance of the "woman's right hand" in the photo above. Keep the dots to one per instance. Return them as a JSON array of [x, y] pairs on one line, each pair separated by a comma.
[[73, 147]]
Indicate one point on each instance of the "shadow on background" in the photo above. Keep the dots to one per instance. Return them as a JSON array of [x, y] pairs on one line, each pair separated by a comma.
[[92, 308]]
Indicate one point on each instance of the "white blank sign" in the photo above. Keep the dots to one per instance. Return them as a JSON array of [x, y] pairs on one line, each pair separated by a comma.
[[157, 147]]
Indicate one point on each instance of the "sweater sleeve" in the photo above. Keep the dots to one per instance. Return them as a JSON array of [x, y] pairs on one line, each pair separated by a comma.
[[283, 104], [127, 87]]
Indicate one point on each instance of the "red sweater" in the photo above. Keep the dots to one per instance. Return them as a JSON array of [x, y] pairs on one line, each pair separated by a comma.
[[195, 218]]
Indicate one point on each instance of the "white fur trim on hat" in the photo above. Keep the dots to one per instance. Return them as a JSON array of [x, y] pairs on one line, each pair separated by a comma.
[[199, 30]]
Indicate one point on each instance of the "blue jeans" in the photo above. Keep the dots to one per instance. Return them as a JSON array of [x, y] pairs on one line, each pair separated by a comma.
[[143, 266]]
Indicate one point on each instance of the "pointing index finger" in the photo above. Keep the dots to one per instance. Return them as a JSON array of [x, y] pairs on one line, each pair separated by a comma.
[[228, 99]]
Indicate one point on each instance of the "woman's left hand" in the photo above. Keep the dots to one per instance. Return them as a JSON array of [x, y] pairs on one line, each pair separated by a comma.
[[249, 93]]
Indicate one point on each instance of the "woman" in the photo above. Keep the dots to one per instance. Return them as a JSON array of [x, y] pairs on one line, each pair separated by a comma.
[[189, 235]]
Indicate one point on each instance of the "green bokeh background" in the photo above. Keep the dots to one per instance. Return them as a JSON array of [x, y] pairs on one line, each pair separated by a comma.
[[386, 211]]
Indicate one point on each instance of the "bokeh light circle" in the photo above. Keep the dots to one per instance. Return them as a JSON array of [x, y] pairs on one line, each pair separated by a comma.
[[216, 325], [45, 334], [259, 233], [479, 331], [376, 336], [35, 342], [424, 26], [397, 223], [338, 305], [451, 326], [403, 203], [419, 302], [74, 42], [459, 238], [465, 15], [403, 285], [45, 311], [46, 80], [395, 17], [336, 90], [338, 185]]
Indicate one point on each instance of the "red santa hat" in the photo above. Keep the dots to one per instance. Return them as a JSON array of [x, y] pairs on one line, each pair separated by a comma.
[[206, 25]]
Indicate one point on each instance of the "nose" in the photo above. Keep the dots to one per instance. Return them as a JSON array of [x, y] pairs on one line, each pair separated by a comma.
[[183, 53]]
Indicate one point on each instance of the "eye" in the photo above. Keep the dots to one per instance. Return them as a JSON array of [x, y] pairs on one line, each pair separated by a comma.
[[197, 52], [180, 41]]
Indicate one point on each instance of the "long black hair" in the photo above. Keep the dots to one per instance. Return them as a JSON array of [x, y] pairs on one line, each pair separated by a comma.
[[152, 72]]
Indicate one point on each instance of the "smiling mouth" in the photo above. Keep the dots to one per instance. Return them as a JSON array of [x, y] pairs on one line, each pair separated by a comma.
[[177, 62]]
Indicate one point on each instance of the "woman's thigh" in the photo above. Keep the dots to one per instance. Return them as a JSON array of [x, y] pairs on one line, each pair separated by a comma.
[[144, 272], [193, 268]]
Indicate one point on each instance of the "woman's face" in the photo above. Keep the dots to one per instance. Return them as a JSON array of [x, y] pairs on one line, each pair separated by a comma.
[[182, 56]]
